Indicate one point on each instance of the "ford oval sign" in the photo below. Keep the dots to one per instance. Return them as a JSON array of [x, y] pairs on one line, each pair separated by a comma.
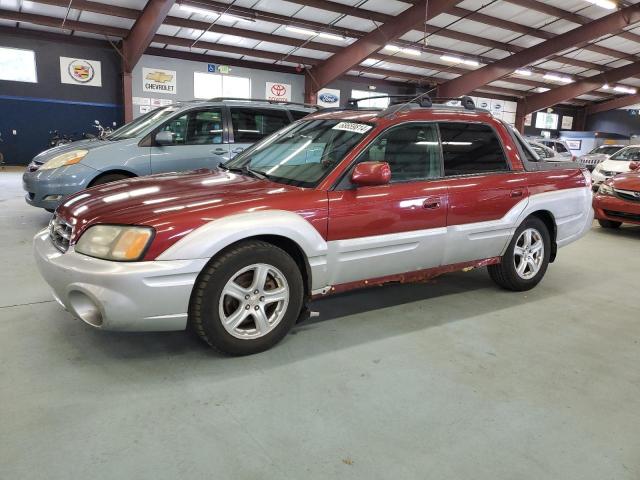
[[328, 98]]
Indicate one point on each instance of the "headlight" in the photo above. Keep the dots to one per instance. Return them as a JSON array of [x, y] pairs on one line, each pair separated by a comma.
[[605, 190], [112, 242], [65, 159]]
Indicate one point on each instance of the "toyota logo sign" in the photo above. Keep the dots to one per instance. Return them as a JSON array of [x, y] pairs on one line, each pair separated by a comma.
[[278, 90]]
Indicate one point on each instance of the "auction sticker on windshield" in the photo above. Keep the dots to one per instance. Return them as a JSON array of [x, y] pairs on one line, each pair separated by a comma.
[[353, 127]]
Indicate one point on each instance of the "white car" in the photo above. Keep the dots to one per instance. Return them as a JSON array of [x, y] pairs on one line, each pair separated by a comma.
[[618, 163], [560, 147], [547, 154]]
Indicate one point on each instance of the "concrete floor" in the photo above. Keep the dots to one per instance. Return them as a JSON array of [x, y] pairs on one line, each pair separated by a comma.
[[451, 380]]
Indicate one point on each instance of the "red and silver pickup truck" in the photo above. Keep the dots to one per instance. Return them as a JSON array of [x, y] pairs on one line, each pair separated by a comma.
[[343, 199]]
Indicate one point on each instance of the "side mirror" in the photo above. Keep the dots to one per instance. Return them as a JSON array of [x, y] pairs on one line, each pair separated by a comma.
[[634, 166], [164, 138], [369, 174]]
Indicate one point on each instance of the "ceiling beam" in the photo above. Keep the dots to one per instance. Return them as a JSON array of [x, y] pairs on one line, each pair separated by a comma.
[[539, 101], [139, 37], [336, 65], [565, 15], [613, 22], [616, 103]]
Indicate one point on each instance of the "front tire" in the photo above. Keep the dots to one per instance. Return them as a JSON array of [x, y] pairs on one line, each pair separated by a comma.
[[108, 178], [609, 224], [526, 259], [246, 300]]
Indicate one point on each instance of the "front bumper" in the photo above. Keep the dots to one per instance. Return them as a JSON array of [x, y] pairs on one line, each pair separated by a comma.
[[615, 209], [60, 182], [133, 296]]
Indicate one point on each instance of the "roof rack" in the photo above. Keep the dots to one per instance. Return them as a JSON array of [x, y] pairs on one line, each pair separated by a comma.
[[423, 100], [272, 102]]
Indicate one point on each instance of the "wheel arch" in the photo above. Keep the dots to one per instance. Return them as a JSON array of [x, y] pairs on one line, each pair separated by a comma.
[[550, 221], [127, 173]]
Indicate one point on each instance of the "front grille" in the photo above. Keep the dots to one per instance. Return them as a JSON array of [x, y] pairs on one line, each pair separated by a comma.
[[60, 233], [635, 217], [589, 161], [629, 195]]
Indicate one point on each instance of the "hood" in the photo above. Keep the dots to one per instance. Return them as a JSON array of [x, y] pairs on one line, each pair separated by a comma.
[[626, 181], [182, 201], [86, 144], [615, 165]]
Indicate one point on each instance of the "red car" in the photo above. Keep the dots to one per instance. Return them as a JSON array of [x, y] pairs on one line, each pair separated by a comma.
[[339, 200], [618, 199]]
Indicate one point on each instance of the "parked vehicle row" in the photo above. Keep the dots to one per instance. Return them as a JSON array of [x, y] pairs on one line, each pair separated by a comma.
[[180, 137], [342, 199], [618, 199], [598, 155]]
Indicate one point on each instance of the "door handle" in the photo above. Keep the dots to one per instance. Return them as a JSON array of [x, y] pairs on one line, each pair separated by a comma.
[[219, 151], [517, 193], [237, 150], [431, 203]]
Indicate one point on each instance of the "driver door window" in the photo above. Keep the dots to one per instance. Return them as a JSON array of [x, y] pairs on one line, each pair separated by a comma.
[[411, 150]]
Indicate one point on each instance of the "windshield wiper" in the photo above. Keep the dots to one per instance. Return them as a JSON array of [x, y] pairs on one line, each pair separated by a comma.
[[245, 171]]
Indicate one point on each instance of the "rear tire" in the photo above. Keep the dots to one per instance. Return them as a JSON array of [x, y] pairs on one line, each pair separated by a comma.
[[526, 259], [609, 224], [108, 178], [247, 299]]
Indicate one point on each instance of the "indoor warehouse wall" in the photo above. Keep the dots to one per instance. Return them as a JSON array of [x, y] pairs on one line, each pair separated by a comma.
[[623, 122], [30, 110]]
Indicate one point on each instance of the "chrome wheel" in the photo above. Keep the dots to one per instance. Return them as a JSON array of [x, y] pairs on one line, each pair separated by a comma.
[[528, 255], [254, 301]]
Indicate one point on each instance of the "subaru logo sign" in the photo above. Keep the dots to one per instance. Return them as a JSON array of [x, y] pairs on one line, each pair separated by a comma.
[[328, 98]]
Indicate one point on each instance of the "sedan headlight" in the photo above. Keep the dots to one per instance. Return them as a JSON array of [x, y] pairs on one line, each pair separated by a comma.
[[605, 190], [113, 242], [65, 159]]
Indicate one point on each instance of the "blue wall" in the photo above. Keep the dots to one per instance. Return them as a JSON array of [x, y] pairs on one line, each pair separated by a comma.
[[615, 121], [31, 110]]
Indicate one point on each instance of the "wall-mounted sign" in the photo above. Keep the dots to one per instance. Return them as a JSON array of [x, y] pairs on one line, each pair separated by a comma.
[[159, 81], [145, 108], [278, 92], [77, 71], [141, 101], [574, 144], [328, 97], [214, 68], [548, 121], [528, 119], [567, 124]]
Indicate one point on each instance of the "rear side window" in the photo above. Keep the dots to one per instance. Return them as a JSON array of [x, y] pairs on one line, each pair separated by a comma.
[[297, 114], [560, 148], [470, 148], [253, 124]]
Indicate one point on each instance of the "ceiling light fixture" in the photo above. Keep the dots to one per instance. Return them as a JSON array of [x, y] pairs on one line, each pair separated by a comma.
[[211, 13], [408, 51], [523, 71], [453, 59], [307, 31], [623, 89], [542, 89], [557, 78], [605, 86], [303, 31], [608, 4]]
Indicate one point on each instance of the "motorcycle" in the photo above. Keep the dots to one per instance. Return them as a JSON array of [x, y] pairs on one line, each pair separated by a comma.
[[55, 139]]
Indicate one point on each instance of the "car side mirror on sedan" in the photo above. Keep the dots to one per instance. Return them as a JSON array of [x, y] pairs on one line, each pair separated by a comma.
[[634, 166], [164, 138], [369, 174]]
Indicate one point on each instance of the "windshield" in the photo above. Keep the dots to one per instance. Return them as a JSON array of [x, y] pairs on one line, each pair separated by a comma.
[[303, 153], [605, 149], [627, 154], [141, 124]]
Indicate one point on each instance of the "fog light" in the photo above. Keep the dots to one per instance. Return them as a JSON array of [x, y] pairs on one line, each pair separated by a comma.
[[52, 197], [84, 308]]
